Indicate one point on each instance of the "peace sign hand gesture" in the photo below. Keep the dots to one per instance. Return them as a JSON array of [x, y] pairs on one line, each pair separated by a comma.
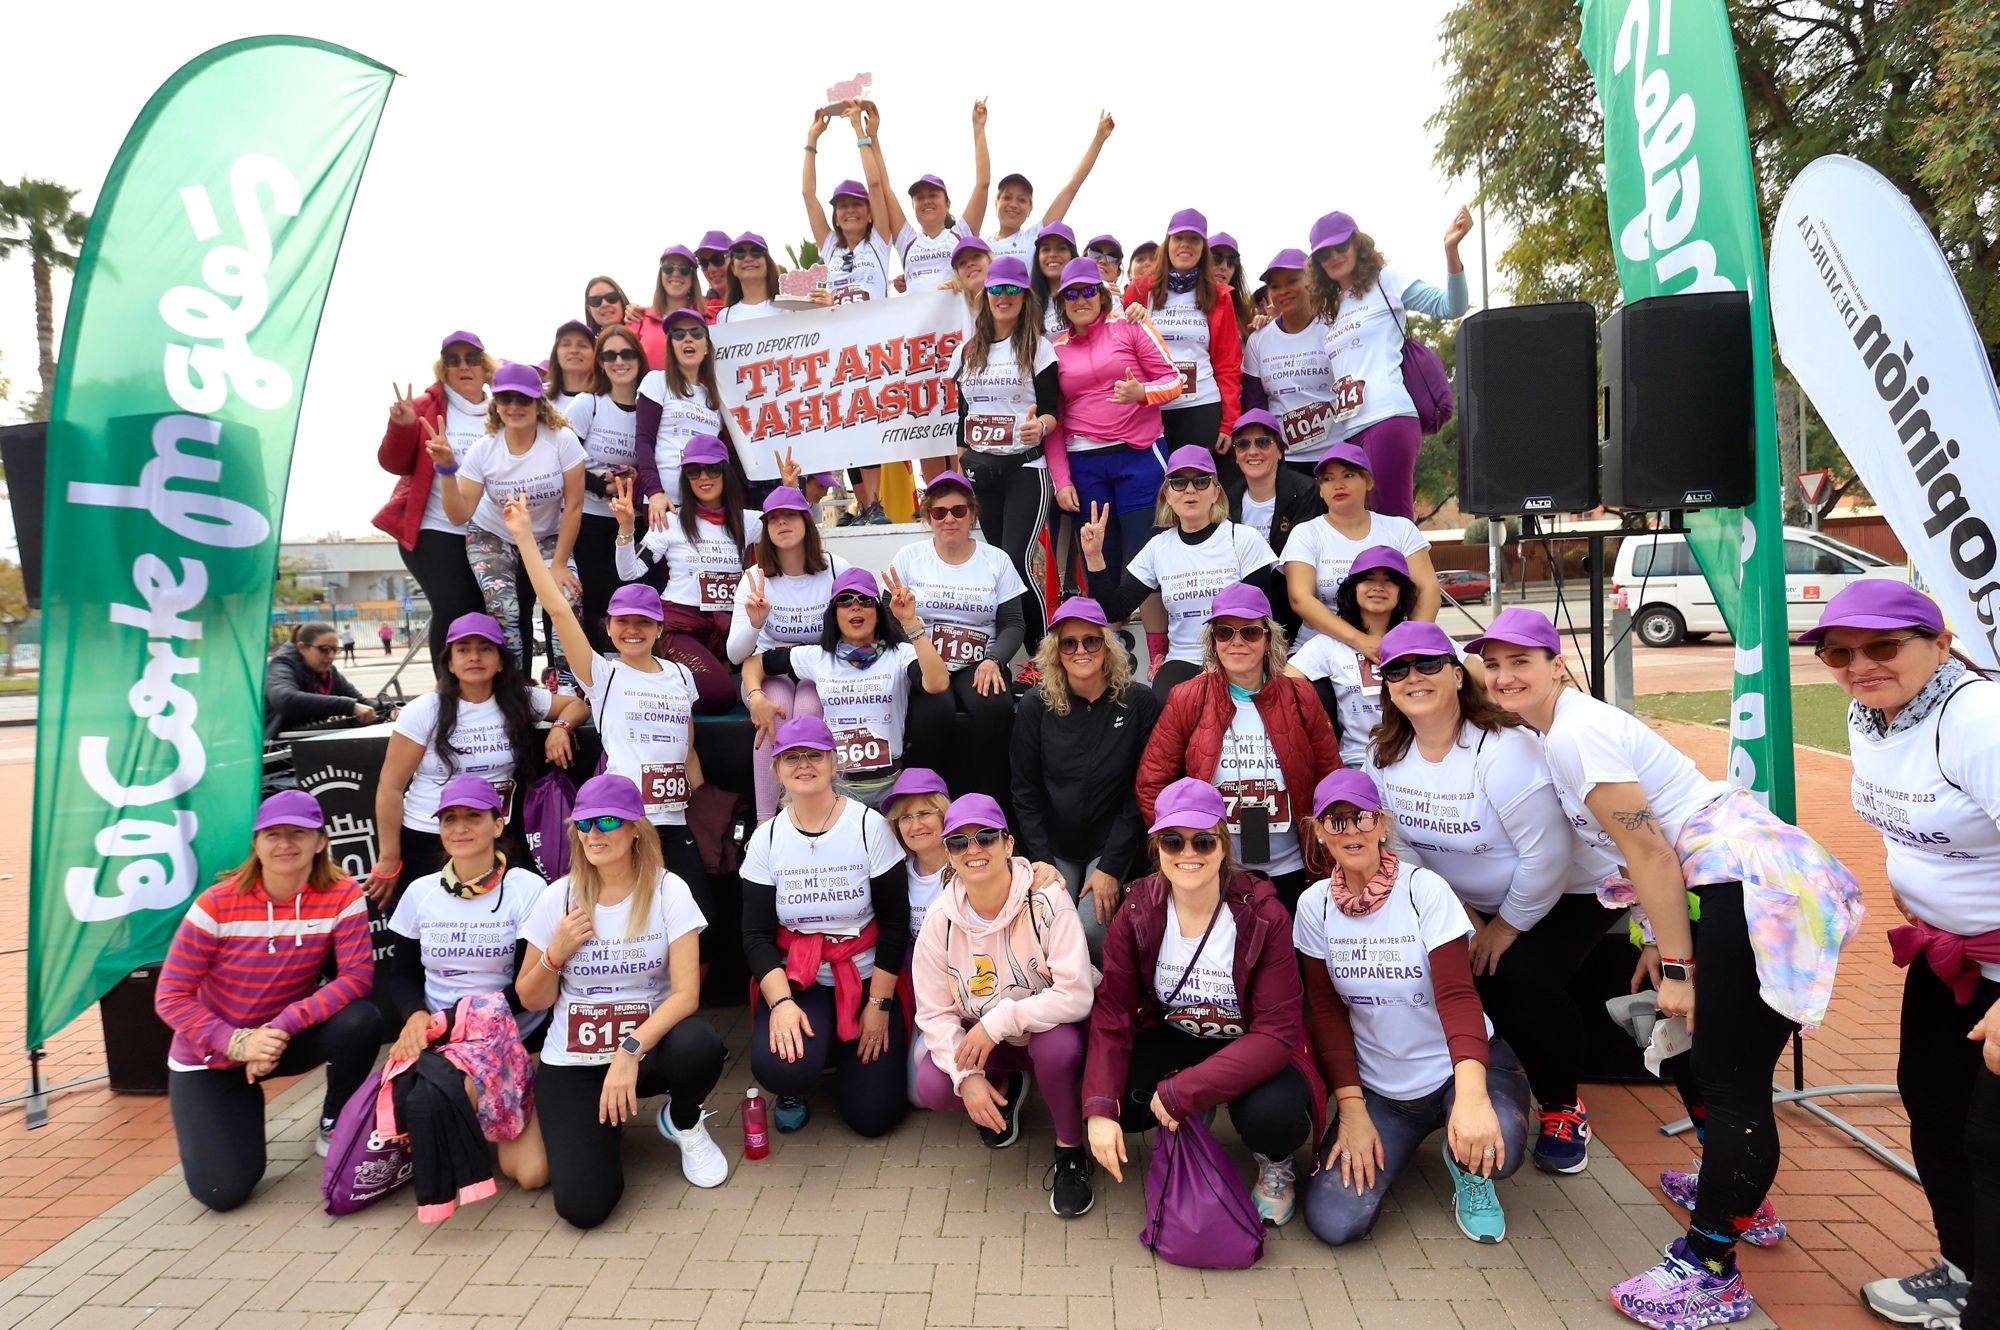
[[1090, 535], [755, 607], [402, 411], [620, 503], [439, 444], [789, 470], [902, 602]]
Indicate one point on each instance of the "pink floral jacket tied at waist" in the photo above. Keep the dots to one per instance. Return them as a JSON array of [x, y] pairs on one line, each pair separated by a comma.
[[1955, 957]]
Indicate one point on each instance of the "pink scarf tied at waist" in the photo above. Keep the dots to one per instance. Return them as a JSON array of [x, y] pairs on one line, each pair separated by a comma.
[[1954, 957], [806, 952]]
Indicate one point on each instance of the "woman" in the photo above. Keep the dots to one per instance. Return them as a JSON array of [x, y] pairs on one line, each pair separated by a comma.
[[1003, 983], [614, 956], [1319, 554], [855, 253], [1473, 800], [243, 1008], [1109, 256], [1775, 911], [1362, 301], [432, 545], [1078, 737], [914, 808], [1376, 595], [1201, 552], [713, 256], [303, 689], [675, 289], [1225, 267], [457, 934], [481, 720], [1255, 732], [606, 421], [825, 912], [676, 402], [1200, 1005], [870, 649], [528, 450], [573, 366], [1054, 248], [1114, 376], [925, 238], [1285, 366], [1921, 728], [970, 594], [1272, 499], [753, 280], [643, 708], [970, 258], [1397, 1029], [605, 304], [1196, 317], [702, 547], [1014, 201], [1009, 395]]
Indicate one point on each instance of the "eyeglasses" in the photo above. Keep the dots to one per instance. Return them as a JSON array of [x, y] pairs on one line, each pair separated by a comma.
[[513, 399], [1249, 441], [614, 353], [801, 757], [1088, 646], [676, 270], [703, 470], [985, 838], [1102, 254], [680, 332], [1364, 820], [1205, 842], [1251, 633], [607, 298], [1009, 290], [1181, 484], [585, 825], [953, 510], [457, 360], [1081, 292], [1223, 256], [748, 252], [1398, 670], [1880, 650], [321, 646], [853, 600], [919, 815]]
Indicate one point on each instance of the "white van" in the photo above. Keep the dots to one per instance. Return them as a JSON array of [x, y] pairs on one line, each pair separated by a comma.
[[1671, 601]]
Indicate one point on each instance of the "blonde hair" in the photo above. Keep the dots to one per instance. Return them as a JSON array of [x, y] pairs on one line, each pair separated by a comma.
[[485, 358], [1054, 684], [546, 416], [249, 875], [931, 797], [649, 865], [1164, 515], [1274, 648]]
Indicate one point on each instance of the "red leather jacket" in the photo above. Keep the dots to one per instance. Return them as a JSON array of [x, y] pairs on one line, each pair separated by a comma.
[[1225, 345], [403, 455], [1187, 741]]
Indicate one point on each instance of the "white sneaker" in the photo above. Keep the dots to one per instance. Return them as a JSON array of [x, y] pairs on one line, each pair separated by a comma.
[[702, 1160], [323, 1142], [1276, 1192], [1933, 1297]]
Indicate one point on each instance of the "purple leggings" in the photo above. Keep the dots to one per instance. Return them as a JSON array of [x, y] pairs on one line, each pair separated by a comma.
[[1392, 446], [797, 698], [1057, 1057]]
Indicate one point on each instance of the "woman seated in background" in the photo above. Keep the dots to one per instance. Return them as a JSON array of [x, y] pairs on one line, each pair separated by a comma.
[[1376, 595]]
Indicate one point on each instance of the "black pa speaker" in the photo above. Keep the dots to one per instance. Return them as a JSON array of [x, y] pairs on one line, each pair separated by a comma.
[[1680, 429], [1527, 421]]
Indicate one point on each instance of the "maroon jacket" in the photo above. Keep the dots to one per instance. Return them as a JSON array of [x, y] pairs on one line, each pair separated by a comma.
[[1267, 984], [403, 455]]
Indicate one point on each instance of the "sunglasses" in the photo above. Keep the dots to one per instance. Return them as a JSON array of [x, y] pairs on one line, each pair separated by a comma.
[[680, 332], [853, 600], [802, 757], [748, 252], [1088, 646], [512, 399], [609, 298], [321, 646], [607, 822], [954, 510], [1205, 842], [454, 360], [1880, 650], [611, 354], [1009, 290], [676, 270], [1113, 255], [1365, 820], [1081, 293], [1249, 441], [1341, 248], [715, 262], [1182, 484], [1251, 633], [1398, 670], [703, 470], [985, 838]]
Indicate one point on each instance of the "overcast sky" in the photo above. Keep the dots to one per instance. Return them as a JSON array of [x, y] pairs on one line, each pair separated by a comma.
[[526, 148]]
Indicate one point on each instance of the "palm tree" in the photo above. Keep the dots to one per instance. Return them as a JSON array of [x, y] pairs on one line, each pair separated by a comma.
[[36, 216]]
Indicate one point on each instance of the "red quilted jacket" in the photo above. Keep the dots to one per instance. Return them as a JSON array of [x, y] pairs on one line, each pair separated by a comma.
[[403, 455]]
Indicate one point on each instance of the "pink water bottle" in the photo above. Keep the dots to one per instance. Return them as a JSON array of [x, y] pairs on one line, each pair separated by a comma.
[[756, 1134]]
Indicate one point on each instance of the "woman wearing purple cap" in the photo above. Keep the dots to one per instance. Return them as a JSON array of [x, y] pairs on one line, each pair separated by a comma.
[[614, 956], [1078, 737], [605, 304], [1269, 497], [676, 288], [826, 932], [1285, 368], [1196, 316], [1397, 1029], [1055, 247], [1201, 1005], [1109, 256], [1199, 553], [713, 256], [1003, 983], [572, 370], [1376, 595], [926, 237], [753, 280], [1775, 908], [1225, 267], [1014, 200], [855, 253], [1474, 802], [606, 421], [1319, 554], [1922, 730], [241, 990], [676, 402], [1363, 302], [432, 545]]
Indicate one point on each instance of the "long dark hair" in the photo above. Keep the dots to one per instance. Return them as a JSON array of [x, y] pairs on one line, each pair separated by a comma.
[[677, 381], [1348, 606], [1393, 733], [1038, 281], [887, 630], [600, 382], [1205, 290], [811, 550], [1026, 338], [732, 504], [510, 690]]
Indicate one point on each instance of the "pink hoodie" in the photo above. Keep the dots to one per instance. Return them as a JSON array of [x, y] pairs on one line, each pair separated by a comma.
[[1027, 971], [1089, 365]]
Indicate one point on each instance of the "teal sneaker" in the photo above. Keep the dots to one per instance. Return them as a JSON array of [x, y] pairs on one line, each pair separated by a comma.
[[790, 1114], [1475, 1205]]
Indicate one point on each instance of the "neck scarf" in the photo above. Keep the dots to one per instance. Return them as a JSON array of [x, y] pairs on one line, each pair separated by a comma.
[[1371, 896], [1180, 283], [708, 514], [466, 891], [1238, 693], [860, 657], [1869, 719]]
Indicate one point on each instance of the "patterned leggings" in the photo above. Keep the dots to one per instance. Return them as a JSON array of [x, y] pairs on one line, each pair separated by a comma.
[[496, 566]]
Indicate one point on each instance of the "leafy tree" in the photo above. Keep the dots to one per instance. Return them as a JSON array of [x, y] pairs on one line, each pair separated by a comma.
[[36, 219], [13, 607], [1436, 482]]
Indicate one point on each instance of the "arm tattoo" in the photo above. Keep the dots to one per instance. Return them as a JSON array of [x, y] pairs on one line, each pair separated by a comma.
[[1636, 821]]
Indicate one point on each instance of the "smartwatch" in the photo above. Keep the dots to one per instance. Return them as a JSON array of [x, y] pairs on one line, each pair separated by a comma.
[[1681, 970], [631, 1045], [880, 1004]]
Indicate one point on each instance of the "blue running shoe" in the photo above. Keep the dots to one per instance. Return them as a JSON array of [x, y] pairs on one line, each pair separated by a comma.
[[1475, 1205]]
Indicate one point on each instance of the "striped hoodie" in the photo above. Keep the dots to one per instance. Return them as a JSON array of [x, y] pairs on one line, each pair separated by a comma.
[[241, 960]]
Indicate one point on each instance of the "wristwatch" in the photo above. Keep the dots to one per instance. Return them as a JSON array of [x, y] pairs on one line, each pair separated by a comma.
[[631, 1045], [1681, 970], [880, 1004]]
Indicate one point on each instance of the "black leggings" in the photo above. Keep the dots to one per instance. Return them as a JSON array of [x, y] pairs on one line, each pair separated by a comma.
[[1014, 504], [1954, 1107], [597, 568], [1168, 675], [1274, 1119], [683, 858], [586, 1175], [1528, 998], [872, 1096], [219, 1116], [972, 760], [438, 563], [1199, 425]]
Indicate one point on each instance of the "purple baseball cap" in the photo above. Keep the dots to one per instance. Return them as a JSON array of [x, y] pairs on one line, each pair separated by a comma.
[[1345, 785], [1191, 457], [947, 480], [1080, 272], [803, 732], [476, 624], [466, 790], [679, 252], [609, 795], [1415, 637], [1292, 260], [1256, 415], [750, 238], [1239, 600], [1224, 240], [1348, 454], [1190, 803], [1014, 178], [577, 326], [974, 810], [928, 179], [1336, 228], [470, 339], [1877, 603], [915, 780], [290, 808], [713, 242], [1519, 626], [856, 579], [786, 499], [1007, 271], [1188, 219], [1081, 608], [1106, 242], [968, 245], [849, 189], [1378, 556], [704, 448], [1059, 230], [517, 378], [685, 314], [635, 598]]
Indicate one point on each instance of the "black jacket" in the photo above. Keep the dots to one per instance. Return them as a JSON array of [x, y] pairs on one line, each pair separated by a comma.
[[295, 697], [1298, 503], [1075, 778]]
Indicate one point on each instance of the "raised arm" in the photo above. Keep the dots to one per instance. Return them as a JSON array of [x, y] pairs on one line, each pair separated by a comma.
[[1059, 205], [982, 171], [569, 631], [875, 171], [816, 224]]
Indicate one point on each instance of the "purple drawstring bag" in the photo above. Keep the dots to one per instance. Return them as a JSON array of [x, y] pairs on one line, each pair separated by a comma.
[[361, 1165], [1424, 379], [545, 807], [1198, 1212]]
